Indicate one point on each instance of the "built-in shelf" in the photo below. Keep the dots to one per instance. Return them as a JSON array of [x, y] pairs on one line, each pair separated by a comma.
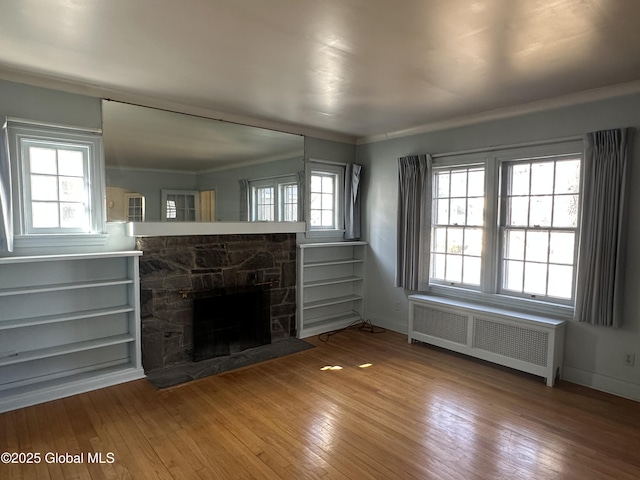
[[330, 286], [69, 323]]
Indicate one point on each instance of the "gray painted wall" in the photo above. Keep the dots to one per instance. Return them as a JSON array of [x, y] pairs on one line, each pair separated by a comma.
[[593, 355]]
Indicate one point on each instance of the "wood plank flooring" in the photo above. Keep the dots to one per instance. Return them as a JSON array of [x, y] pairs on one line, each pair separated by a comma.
[[415, 413]]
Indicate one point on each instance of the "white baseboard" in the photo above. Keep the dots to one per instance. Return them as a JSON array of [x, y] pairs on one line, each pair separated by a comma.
[[603, 383], [389, 324]]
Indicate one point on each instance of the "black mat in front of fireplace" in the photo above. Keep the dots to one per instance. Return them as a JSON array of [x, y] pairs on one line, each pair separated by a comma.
[[231, 320]]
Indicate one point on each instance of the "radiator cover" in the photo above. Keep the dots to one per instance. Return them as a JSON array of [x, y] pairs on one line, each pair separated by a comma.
[[528, 343]]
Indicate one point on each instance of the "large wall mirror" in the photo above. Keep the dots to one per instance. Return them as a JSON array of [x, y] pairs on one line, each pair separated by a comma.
[[167, 166]]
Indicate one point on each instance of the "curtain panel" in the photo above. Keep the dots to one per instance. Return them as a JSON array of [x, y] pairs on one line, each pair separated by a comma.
[[414, 222], [352, 201], [600, 279], [6, 212]]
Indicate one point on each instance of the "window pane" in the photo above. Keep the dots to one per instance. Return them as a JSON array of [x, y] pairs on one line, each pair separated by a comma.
[[316, 183], [327, 201], [518, 211], [567, 176], [471, 271], [442, 211], [476, 183], [560, 281], [454, 268], [72, 215], [565, 211], [42, 160], [438, 266], [514, 244], [459, 184], [454, 240], [316, 218], [44, 215], [473, 241], [71, 163], [315, 201], [537, 246], [458, 211], [561, 247], [513, 273], [327, 184], [171, 208], [442, 182], [541, 178], [520, 180], [475, 211], [540, 211], [327, 218], [44, 187], [535, 278], [440, 240], [72, 189]]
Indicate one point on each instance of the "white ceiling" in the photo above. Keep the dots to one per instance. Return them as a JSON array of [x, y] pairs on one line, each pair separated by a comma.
[[360, 68]]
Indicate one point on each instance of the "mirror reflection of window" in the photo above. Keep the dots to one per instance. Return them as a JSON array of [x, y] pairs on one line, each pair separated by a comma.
[[180, 205], [274, 199], [125, 205], [134, 207]]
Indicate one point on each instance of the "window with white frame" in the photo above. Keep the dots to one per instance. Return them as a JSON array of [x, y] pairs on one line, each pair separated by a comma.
[[180, 205], [134, 207], [325, 196], [59, 179], [274, 199], [505, 223]]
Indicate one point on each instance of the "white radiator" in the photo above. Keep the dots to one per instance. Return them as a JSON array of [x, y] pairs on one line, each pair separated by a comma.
[[528, 343]]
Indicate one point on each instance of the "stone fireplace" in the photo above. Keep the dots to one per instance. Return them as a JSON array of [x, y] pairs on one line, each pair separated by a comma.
[[176, 269]]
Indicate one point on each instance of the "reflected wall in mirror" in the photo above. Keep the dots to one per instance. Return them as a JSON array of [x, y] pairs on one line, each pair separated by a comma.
[[167, 166]]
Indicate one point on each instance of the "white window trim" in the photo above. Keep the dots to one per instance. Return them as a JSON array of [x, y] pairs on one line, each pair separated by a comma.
[[19, 129], [333, 168], [489, 290], [276, 183], [196, 197]]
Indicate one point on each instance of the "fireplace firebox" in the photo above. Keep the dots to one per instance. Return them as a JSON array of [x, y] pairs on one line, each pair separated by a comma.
[[230, 320]]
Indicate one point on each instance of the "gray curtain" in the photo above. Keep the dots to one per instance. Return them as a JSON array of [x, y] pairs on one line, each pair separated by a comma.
[[244, 200], [601, 255], [352, 201], [6, 214], [414, 222]]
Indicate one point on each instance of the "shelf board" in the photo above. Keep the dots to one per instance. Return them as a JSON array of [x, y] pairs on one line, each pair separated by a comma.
[[56, 287], [65, 349], [328, 324], [331, 301], [64, 317], [331, 281], [333, 262], [69, 256], [348, 243]]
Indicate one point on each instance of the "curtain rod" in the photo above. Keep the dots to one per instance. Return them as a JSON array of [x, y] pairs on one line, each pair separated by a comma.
[[507, 147]]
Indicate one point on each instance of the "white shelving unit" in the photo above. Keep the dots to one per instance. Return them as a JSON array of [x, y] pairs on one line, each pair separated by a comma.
[[68, 324], [330, 286]]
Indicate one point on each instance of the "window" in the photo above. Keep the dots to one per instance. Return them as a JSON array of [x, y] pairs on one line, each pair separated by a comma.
[[505, 224], [59, 179], [457, 225], [325, 197], [274, 199], [180, 205], [539, 221], [134, 207]]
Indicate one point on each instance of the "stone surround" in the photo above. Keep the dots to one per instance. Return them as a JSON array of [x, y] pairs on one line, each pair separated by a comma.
[[174, 269]]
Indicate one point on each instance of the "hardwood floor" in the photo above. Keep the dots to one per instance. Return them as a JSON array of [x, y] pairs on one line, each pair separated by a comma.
[[415, 413]]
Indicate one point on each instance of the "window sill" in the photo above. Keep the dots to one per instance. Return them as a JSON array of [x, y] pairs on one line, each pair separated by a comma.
[[61, 240], [533, 307]]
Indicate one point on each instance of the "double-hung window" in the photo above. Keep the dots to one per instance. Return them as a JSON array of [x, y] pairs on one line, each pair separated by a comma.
[[274, 199], [326, 187], [58, 180], [505, 225]]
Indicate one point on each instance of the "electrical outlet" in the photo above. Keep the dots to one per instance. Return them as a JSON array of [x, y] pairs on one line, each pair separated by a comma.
[[629, 359]]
